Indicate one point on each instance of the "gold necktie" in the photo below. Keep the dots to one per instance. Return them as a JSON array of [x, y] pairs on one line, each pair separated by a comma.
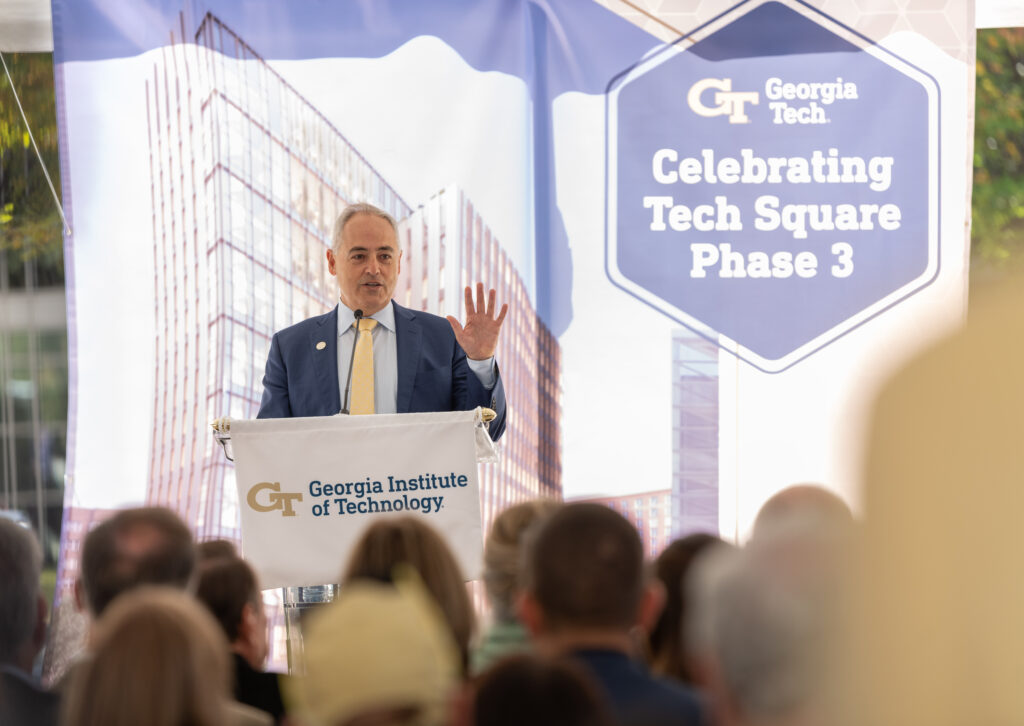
[[362, 369]]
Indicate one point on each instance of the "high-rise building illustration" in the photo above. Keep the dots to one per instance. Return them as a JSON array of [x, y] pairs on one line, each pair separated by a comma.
[[248, 178], [446, 245], [691, 505], [694, 434]]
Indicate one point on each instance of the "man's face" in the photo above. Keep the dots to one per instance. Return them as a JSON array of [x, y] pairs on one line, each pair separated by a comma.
[[366, 264]]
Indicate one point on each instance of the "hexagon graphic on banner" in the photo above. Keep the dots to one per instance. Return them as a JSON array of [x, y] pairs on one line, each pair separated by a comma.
[[775, 184]]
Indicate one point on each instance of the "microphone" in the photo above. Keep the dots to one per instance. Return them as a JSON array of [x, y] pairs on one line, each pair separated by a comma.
[[348, 384]]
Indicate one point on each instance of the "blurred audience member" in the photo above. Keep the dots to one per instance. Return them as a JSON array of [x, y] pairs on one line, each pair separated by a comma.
[[23, 702], [390, 542], [585, 591], [379, 655], [933, 617], [539, 691], [229, 588], [158, 659], [760, 622], [136, 548], [668, 652], [144, 546], [800, 502], [213, 549], [502, 562]]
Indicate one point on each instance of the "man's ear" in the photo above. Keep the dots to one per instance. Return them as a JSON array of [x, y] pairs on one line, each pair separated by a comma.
[[80, 603], [651, 604], [39, 631], [530, 613], [330, 261], [247, 623]]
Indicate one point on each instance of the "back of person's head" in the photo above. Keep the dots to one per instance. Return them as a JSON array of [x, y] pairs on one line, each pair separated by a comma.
[[668, 638], [20, 563], [584, 568], [213, 549], [761, 622], [143, 546], [932, 619], [158, 659], [229, 589], [380, 654], [540, 691], [409, 540], [503, 553], [802, 503]]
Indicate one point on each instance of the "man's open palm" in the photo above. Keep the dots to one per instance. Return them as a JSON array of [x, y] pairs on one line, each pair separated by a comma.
[[479, 336]]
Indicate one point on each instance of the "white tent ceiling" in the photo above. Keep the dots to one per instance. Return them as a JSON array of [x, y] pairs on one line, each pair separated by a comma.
[[25, 24]]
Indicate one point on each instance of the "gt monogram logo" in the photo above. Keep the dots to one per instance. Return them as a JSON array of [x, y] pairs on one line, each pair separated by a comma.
[[728, 102], [277, 498]]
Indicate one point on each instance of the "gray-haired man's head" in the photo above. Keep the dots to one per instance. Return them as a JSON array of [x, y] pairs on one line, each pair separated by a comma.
[[21, 607]]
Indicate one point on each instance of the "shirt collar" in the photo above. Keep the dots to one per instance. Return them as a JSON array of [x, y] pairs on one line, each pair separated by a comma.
[[385, 317]]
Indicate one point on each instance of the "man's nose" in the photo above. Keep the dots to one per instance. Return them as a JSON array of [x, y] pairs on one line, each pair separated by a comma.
[[373, 266]]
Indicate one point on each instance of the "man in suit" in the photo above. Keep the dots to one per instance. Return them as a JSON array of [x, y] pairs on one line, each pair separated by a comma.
[[231, 591], [585, 595], [420, 362]]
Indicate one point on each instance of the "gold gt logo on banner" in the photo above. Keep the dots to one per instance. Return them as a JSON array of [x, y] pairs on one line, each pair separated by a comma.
[[277, 498], [727, 102]]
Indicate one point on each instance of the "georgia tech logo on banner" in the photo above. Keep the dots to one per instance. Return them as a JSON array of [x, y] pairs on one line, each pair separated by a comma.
[[774, 184], [789, 102], [729, 103], [277, 499]]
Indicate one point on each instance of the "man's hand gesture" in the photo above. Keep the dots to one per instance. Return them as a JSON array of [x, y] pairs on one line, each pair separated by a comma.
[[479, 336]]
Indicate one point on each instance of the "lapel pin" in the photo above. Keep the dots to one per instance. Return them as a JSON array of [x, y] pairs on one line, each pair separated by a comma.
[[321, 345]]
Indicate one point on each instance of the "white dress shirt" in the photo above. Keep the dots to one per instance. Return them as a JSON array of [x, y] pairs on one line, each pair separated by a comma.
[[385, 358]]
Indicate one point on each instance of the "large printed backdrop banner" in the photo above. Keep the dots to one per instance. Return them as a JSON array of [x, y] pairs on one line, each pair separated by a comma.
[[712, 246]]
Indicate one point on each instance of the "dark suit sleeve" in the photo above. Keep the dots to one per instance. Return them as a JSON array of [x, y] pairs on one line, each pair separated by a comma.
[[275, 403], [497, 426], [468, 393]]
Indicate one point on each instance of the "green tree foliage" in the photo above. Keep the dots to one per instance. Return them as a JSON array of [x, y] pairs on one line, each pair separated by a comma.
[[997, 232], [30, 227]]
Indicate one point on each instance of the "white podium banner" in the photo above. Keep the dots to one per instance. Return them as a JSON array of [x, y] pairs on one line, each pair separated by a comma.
[[308, 487]]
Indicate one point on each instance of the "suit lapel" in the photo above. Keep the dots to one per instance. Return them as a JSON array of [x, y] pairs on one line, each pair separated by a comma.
[[325, 362], [409, 335]]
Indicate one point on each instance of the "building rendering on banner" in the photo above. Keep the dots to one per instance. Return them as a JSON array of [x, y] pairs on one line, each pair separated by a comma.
[[247, 180], [694, 434], [446, 245], [691, 505]]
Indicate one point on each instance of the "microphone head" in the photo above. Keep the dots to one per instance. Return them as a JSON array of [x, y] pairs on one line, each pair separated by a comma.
[[358, 314]]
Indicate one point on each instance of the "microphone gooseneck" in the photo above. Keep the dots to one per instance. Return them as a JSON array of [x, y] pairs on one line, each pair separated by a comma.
[[358, 314]]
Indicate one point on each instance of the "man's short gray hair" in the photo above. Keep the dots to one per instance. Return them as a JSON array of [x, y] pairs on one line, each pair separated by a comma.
[[20, 563], [762, 615], [352, 210]]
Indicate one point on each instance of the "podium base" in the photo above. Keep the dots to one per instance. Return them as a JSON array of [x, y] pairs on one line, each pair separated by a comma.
[[298, 603]]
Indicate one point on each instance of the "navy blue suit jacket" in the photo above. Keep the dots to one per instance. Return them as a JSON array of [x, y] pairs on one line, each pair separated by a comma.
[[433, 374], [638, 697]]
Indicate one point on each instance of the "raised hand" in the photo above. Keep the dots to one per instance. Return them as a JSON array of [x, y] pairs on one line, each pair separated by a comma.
[[479, 336]]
